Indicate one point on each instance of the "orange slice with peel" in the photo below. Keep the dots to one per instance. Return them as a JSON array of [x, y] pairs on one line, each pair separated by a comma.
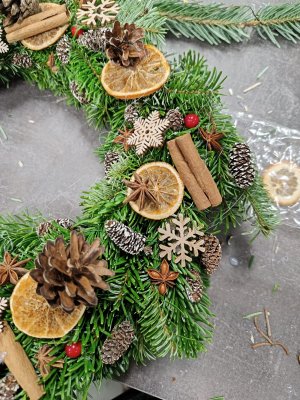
[[282, 181], [166, 186], [32, 314], [45, 39], [145, 78]]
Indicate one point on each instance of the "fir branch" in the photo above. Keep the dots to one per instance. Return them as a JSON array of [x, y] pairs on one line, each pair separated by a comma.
[[145, 15], [217, 23]]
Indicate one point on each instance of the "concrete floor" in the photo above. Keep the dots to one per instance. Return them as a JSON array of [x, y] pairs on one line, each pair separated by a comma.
[[47, 160]]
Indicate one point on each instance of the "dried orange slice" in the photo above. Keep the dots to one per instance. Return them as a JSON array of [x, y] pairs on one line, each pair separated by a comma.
[[148, 76], [282, 181], [46, 39], [167, 187], [32, 314]]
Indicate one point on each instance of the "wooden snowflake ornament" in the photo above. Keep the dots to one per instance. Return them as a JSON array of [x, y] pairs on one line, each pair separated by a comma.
[[104, 12], [182, 239], [148, 133]]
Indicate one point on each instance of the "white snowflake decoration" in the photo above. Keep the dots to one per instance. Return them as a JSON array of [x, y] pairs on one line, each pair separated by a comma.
[[182, 240], [105, 12], [148, 133], [3, 46]]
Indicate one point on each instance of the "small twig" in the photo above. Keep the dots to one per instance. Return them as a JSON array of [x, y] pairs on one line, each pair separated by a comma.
[[260, 344], [260, 331], [269, 333], [282, 346]]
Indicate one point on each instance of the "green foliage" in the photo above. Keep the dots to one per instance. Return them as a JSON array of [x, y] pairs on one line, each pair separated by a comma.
[[7, 70], [281, 20], [219, 23], [214, 23]]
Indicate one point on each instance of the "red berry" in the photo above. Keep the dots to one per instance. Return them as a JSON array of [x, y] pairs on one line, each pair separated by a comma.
[[191, 120], [76, 32], [73, 350]]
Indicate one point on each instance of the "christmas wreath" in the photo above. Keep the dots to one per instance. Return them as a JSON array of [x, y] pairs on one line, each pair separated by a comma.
[[128, 279]]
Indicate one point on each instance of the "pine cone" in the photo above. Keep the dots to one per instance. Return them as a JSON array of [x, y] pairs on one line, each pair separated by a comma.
[[45, 226], [8, 387], [195, 291], [67, 275], [94, 39], [111, 157], [77, 93], [22, 60], [114, 347], [241, 165], [17, 10], [129, 241], [124, 45], [63, 48], [131, 114], [213, 253], [175, 118]]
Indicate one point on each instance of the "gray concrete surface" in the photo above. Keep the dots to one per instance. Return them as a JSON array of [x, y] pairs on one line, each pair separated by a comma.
[[48, 162]]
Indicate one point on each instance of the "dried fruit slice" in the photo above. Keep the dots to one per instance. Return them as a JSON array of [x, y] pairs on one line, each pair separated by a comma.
[[166, 185], [32, 314], [148, 76], [46, 39], [282, 181]]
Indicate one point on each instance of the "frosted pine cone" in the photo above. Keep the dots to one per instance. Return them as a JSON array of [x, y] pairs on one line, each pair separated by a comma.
[[131, 114], [195, 289], [175, 118], [129, 241], [21, 60], [63, 48], [111, 157], [94, 39], [77, 93], [241, 165]]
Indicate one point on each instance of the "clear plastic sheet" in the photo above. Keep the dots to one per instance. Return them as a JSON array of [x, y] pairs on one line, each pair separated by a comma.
[[272, 144]]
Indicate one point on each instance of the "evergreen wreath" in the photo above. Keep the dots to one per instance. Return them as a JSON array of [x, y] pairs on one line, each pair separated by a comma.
[[153, 307]]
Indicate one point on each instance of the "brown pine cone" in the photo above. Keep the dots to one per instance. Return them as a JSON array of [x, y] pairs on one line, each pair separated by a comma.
[[115, 346], [124, 45], [213, 253], [68, 275]]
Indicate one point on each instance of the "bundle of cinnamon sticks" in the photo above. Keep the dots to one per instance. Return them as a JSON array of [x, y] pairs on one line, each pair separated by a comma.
[[194, 172], [44, 21]]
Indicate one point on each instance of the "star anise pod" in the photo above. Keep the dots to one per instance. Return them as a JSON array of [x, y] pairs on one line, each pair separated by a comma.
[[123, 138], [140, 191], [11, 270], [164, 278], [212, 139], [44, 360]]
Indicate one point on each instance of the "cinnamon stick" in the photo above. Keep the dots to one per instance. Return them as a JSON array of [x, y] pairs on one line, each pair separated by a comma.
[[189, 180], [199, 169], [38, 27], [36, 18], [19, 364]]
